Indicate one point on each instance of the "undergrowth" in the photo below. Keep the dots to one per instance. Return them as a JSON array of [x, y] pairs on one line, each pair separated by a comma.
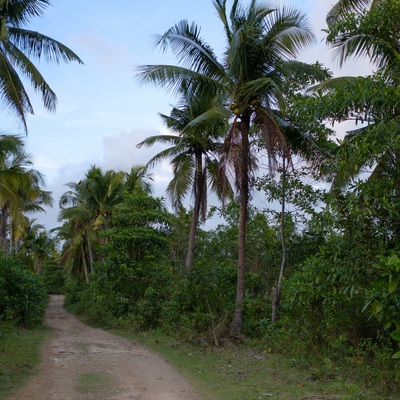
[[19, 355]]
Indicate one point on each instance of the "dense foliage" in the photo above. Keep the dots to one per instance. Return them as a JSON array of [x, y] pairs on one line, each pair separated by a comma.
[[22, 295], [316, 274], [322, 267]]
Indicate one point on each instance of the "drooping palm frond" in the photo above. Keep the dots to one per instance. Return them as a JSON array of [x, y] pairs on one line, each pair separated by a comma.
[[362, 46], [164, 139], [19, 12], [332, 84], [343, 7], [17, 46], [263, 87], [190, 50], [36, 45], [12, 91], [173, 78], [182, 181], [356, 155], [22, 62], [289, 32]]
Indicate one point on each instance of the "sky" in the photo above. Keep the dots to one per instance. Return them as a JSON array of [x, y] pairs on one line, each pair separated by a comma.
[[103, 112]]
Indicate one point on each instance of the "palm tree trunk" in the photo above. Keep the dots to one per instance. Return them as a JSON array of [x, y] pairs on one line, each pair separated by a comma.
[[90, 250], [85, 269], [196, 213], [4, 230], [39, 266], [11, 233], [237, 322], [278, 292]]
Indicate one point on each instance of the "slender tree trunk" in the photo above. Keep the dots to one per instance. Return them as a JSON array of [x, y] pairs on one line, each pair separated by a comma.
[[11, 237], [39, 266], [4, 230], [278, 291], [237, 322], [90, 250], [196, 213], [85, 268], [396, 222]]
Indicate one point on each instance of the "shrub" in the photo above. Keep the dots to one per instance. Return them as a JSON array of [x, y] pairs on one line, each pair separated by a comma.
[[22, 295], [53, 278], [200, 300]]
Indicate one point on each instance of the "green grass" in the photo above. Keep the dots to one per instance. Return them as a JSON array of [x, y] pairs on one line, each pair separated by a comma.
[[19, 355], [245, 372], [93, 382]]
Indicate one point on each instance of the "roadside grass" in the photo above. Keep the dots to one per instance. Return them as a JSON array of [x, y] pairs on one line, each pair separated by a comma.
[[93, 382], [19, 355], [237, 372]]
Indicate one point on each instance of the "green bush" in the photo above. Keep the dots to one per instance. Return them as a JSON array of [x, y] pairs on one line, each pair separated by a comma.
[[53, 278], [22, 295], [330, 288], [201, 300]]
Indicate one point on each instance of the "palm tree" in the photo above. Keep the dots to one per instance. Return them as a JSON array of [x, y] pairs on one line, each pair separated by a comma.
[[261, 43], [343, 7], [197, 125], [74, 254], [20, 188], [18, 46], [353, 32], [138, 179], [86, 210], [36, 245]]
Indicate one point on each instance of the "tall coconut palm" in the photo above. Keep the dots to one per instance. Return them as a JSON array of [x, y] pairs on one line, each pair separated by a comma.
[[197, 126], [261, 43], [138, 179], [36, 245], [18, 46], [87, 208], [20, 187]]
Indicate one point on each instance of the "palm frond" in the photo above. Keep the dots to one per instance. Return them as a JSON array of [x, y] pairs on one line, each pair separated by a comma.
[[343, 7], [164, 139], [37, 45], [191, 51], [182, 180], [12, 91], [332, 84], [32, 73], [207, 120], [288, 32], [174, 78], [21, 11]]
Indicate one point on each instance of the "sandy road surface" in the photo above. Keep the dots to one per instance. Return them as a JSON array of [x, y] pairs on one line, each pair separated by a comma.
[[83, 363]]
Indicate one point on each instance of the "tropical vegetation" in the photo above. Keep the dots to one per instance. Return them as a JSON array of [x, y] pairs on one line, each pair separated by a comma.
[[311, 270], [18, 46]]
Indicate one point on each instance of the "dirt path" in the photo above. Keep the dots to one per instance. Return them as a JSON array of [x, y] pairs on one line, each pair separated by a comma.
[[83, 363]]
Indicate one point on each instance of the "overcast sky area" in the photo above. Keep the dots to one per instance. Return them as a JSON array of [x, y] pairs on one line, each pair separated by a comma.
[[103, 112]]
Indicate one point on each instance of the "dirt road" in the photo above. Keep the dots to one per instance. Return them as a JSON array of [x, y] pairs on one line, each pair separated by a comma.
[[83, 363]]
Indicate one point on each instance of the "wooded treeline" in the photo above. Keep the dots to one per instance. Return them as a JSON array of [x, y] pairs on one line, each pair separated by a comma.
[[302, 269]]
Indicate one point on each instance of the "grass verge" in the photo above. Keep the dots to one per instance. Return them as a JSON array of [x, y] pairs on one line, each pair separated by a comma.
[[19, 355], [245, 372]]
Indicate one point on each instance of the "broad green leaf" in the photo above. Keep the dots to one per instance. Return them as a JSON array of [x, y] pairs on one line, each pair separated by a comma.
[[395, 335], [376, 308], [388, 325], [392, 286], [396, 355]]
